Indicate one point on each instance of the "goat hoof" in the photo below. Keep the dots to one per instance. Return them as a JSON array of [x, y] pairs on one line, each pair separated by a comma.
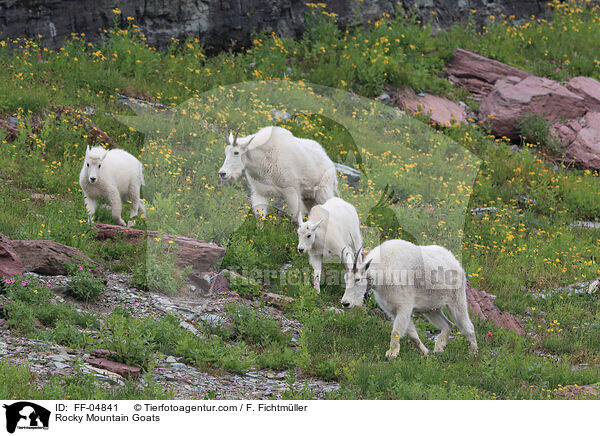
[[390, 355]]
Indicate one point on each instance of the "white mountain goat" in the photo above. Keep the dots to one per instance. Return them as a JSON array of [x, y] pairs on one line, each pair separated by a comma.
[[332, 230], [409, 278], [277, 164], [114, 175]]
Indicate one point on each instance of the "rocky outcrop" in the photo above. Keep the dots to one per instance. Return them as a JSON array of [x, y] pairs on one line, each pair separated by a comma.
[[513, 98], [439, 109], [202, 256], [482, 305], [48, 257], [101, 359], [10, 263], [8, 130], [588, 89], [224, 23], [581, 138], [508, 94], [479, 74]]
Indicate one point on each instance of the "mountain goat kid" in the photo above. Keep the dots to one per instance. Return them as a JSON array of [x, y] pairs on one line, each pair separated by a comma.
[[278, 164], [332, 230], [406, 279], [114, 175]]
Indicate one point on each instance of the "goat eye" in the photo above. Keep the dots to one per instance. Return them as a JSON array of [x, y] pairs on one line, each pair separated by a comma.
[[307, 236], [99, 165], [88, 165]]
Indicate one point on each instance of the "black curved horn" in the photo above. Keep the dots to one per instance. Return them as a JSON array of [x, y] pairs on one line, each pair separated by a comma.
[[354, 267], [236, 134]]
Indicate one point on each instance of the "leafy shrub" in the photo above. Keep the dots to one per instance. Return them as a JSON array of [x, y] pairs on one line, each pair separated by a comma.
[[84, 285], [535, 128], [277, 356], [128, 338], [67, 334], [159, 273], [206, 353], [254, 326], [31, 301], [244, 286], [20, 317]]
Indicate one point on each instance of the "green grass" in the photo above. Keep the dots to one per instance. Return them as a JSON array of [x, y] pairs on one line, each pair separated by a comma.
[[19, 383], [524, 248]]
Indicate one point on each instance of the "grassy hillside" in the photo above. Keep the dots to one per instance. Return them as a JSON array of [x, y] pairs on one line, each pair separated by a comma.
[[524, 249]]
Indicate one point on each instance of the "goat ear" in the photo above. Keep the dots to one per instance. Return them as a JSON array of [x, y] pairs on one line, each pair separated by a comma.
[[87, 150], [316, 225], [230, 139], [247, 144], [343, 258]]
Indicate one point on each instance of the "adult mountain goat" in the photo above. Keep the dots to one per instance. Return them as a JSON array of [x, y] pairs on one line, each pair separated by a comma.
[[332, 230], [407, 278], [278, 164], [114, 175]]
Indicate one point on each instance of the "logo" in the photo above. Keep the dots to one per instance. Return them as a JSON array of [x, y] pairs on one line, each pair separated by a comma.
[[26, 415]]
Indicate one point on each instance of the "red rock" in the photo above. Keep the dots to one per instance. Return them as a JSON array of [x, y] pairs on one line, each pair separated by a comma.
[[482, 305], [479, 74], [581, 139], [10, 262], [277, 300], [588, 89], [48, 257], [126, 371], [501, 109], [9, 131], [202, 256], [441, 110], [103, 353], [96, 135], [219, 283]]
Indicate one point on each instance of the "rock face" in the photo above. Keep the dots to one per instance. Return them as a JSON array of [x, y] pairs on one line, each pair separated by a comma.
[[441, 110], [10, 263], [222, 23], [101, 361], [588, 89], [482, 305], [507, 94], [479, 74], [582, 139], [202, 256], [8, 130], [47, 257], [512, 98]]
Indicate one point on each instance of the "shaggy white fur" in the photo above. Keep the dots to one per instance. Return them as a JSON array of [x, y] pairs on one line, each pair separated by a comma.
[[278, 164], [115, 175], [332, 230], [408, 278]]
